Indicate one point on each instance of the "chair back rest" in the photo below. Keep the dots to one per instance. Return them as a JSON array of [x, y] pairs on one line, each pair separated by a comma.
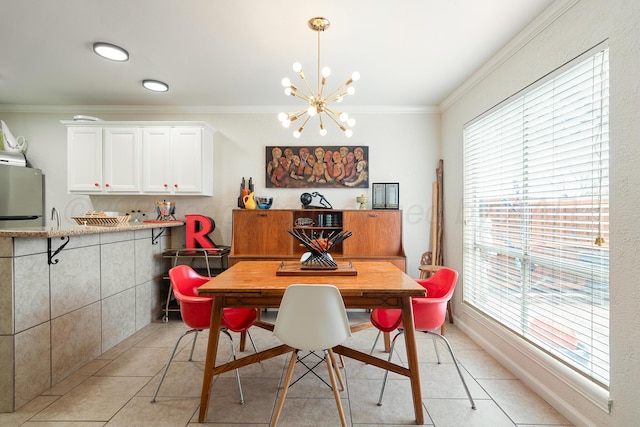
[[429, 312], [195, 310], [186, 281], [312, 317]]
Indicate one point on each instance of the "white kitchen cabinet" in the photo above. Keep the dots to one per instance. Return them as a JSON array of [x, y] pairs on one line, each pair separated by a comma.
[[103, 160], [84, 160], [172, 158], [177, 160], [122, 150]]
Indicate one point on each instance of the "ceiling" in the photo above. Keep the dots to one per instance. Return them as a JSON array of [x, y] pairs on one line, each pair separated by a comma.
[[233, 54]]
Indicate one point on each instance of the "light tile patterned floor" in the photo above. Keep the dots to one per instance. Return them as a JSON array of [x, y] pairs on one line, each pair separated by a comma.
[[115, 389]]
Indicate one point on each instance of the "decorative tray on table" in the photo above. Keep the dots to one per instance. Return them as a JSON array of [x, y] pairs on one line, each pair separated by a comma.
[[318, 257], [297, 269]]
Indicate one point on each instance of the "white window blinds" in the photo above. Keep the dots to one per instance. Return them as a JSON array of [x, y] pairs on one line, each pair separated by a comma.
[[536, 214]]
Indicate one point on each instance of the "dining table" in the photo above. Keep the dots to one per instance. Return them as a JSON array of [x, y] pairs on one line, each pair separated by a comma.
[[363, 285]]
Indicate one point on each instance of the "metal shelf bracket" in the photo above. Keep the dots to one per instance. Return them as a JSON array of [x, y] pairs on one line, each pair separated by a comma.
[[57, 251], [155, 237]]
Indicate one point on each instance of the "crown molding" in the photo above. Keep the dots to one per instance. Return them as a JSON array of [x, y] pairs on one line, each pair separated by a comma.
[[205, 109], [544, 20]]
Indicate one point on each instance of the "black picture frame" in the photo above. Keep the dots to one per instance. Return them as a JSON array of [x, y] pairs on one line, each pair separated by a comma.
[[386, 195]]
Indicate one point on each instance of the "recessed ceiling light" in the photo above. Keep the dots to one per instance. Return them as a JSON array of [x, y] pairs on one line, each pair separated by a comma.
[[155, 85], [111, 51]]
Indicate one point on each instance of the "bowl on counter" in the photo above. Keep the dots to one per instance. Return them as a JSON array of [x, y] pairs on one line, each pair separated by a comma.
[[263, 202]]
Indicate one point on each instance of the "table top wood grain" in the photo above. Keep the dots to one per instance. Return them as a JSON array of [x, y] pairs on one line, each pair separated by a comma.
[[251, 277]]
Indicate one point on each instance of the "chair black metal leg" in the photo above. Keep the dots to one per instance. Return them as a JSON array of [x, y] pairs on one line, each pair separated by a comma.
[[435, 346], [309, 368], [455, 362], [233, 353], [375, 341], [166, 368], [193, 347], [252, 342], [386, 373]]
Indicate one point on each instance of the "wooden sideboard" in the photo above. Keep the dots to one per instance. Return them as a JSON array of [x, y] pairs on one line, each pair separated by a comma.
[[261, 234]]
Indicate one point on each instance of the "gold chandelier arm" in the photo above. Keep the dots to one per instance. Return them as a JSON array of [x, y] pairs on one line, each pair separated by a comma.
[[332, 96], [337, 97], [342, 128], [301, 95], [297, 114], [321, 89], [335, 113], [301, 128], [304, 79]]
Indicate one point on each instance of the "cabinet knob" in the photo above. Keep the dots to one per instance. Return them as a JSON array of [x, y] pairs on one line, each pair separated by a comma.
[[372, 215], [95, 184], [175, 185], [166, 185], [107, 185]]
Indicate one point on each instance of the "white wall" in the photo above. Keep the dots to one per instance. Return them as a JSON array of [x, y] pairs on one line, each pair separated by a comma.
[[531, 56], [403, 147]]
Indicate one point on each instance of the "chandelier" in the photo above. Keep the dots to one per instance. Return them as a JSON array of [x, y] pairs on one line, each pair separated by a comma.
[[318, 101]]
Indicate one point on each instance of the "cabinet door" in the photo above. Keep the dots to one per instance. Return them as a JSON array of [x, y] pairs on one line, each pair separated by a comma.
[[375, 233], [187, 160], [157, 173], [84, 159], [262, 232], [122, 149]]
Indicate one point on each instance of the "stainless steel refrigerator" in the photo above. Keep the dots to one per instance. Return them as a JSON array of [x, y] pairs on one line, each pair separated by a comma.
[[21, 197]]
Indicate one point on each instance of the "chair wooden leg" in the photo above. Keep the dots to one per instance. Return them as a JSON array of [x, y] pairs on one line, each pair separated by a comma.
[[285, 388], [442, 328], [336, 368], [387, 341], [243, 340], [334, 386]]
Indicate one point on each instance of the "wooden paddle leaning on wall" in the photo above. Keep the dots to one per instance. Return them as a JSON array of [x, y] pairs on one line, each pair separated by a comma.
[[438, 212], [432, 261]]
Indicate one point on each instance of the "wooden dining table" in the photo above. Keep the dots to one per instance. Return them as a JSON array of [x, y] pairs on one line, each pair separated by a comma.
[[261, 284]]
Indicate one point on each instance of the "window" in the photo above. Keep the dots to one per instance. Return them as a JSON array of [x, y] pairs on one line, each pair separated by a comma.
[[536, 214]]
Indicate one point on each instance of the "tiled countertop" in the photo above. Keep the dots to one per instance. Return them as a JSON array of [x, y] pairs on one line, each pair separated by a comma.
[[77, 230]]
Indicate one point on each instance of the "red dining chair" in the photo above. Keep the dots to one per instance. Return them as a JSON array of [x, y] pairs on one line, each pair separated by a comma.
[[196, 313], [428, 315]]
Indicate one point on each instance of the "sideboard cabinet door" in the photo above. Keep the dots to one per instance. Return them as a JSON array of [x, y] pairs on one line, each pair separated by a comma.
[[376, 233], [262, 232]]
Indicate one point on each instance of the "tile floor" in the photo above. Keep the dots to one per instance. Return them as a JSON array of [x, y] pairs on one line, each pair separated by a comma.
[[115, 389]]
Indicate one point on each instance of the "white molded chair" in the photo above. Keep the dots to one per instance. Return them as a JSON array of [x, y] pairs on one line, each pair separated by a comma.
[[311, 318]]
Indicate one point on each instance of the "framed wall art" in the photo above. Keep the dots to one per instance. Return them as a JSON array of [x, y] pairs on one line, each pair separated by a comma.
[[386, 195], [329, 166]]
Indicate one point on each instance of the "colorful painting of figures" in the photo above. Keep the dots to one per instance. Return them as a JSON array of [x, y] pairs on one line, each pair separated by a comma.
[[317, 166]]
